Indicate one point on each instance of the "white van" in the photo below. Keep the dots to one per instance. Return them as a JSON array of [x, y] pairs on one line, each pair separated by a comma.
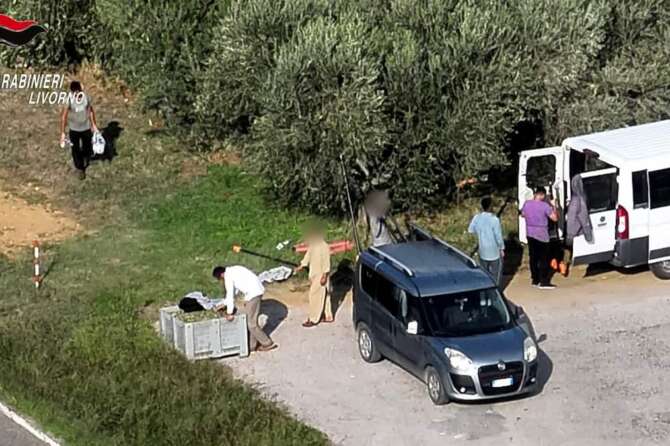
[[626, 176]]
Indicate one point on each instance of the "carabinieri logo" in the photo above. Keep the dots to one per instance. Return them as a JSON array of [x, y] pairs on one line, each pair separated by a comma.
[[16, 33]]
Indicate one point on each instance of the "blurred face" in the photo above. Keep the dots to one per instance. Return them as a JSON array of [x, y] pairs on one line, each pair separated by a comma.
[[540, 196]]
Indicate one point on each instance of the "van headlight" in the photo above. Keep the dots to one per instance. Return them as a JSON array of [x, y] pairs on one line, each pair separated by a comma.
[[529, 350], [458, 360]]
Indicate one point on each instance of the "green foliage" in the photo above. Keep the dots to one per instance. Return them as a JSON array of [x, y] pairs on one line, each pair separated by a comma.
[[73, 31], [159, 47], [419, 95]]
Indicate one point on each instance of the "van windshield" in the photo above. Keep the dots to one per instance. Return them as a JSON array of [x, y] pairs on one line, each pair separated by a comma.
[[467, 313]]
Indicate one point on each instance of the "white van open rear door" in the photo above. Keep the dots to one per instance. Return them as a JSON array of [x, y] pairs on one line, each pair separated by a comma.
[[541, 167], [601, 190], [659, 215]]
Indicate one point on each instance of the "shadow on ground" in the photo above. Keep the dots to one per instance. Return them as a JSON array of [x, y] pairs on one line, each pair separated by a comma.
[[276, 313], [342, 282], [513, 259], [111, 133]]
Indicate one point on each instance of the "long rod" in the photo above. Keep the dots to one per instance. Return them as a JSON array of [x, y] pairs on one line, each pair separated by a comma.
[[237, 248], [351, 206]]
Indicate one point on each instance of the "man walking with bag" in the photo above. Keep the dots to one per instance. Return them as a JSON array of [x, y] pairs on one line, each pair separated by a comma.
[[79, 116], [238, 279]]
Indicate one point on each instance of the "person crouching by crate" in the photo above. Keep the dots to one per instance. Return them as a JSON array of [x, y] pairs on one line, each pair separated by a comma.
[[238, 279], [317, 258]]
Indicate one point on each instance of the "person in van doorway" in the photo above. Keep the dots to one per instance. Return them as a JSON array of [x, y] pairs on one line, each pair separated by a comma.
[[578, 220], [317, 259], [238, 279], [537, 213], [79, 116], [486, 227]]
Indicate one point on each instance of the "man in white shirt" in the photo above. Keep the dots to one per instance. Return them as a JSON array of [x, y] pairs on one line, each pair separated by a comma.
[[238, 279]]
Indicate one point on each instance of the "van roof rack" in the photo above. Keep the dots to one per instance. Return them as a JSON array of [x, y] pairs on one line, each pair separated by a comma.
[[425, 235], [395, 262]]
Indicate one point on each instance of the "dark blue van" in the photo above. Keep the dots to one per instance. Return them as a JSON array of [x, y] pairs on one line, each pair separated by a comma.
[[429, 308]]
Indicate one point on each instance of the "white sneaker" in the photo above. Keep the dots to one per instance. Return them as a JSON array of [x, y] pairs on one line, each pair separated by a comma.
[[547, 287]]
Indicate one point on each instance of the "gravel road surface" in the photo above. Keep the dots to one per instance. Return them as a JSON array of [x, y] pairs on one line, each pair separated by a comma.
[[606, 363]]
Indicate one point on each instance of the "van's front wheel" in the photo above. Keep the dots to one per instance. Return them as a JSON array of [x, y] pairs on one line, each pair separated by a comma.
[[435, 388], [366, 344], [661, 269]]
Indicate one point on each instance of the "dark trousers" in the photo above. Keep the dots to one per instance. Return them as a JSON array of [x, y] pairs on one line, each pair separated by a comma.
[[82, 148], [538, 252]]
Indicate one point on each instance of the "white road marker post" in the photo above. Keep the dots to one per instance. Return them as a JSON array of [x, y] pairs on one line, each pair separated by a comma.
[[37, 279]]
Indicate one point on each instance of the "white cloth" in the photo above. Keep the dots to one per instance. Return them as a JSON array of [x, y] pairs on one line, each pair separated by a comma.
[[240, 280], [275, 274]]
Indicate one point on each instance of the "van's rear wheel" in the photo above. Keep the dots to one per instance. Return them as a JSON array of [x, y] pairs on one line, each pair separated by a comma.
[[366, 344], [435, 387], [661, 269]]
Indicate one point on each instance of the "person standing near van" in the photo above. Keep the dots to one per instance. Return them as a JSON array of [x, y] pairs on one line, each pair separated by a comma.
[[578, 221], [317, 259], [537, 213], [78, 115], [488, 230]]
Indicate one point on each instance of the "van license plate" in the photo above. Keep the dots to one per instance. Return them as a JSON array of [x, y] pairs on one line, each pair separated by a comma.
[[504, 382]]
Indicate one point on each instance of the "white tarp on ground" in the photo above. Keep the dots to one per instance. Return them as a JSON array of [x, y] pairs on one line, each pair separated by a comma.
[[277, 274]]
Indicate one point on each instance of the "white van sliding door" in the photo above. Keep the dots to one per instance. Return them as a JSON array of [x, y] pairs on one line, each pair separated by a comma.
[[659, 215], [540, 168], [601, 190]]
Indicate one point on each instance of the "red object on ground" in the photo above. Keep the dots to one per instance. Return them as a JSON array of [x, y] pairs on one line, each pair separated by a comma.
[[336, 247]]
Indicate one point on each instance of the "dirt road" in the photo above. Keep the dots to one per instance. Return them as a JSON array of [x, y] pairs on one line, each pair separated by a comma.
[[606, 357]]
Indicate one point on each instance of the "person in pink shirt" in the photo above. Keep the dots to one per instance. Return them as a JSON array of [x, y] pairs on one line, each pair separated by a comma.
[[538, 213]]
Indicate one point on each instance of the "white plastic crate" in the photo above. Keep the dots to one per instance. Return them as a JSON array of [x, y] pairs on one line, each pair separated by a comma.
[[167, 314], [212, 338]]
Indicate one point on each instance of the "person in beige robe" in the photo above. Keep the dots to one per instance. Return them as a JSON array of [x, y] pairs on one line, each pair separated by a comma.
[[317, 259]]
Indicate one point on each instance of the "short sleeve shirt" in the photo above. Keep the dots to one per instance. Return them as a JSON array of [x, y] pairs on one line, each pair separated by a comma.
[[537, 215]]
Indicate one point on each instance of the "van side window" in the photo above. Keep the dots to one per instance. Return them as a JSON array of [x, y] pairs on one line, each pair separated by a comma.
[[601, 192], [659, 188], [541, 171], [387, 295], [368, 280], [640, 190]]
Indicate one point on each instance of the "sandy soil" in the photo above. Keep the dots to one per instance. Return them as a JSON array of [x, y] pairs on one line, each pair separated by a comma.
[[21, 223], [605, 362]]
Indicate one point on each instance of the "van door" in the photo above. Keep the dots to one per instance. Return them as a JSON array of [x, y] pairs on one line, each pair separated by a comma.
[[541, 168], [602, 190], [659, 215], [411, 352]]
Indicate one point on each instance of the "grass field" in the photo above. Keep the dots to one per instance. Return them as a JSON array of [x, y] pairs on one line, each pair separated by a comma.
[[81, 355]]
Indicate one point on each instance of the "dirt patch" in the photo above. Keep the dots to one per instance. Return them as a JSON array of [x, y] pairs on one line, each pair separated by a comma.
[[21, 223]]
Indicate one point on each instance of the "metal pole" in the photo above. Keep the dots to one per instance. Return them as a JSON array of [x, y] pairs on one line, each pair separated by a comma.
[[351, 206], [36, 264], [238, 249]]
